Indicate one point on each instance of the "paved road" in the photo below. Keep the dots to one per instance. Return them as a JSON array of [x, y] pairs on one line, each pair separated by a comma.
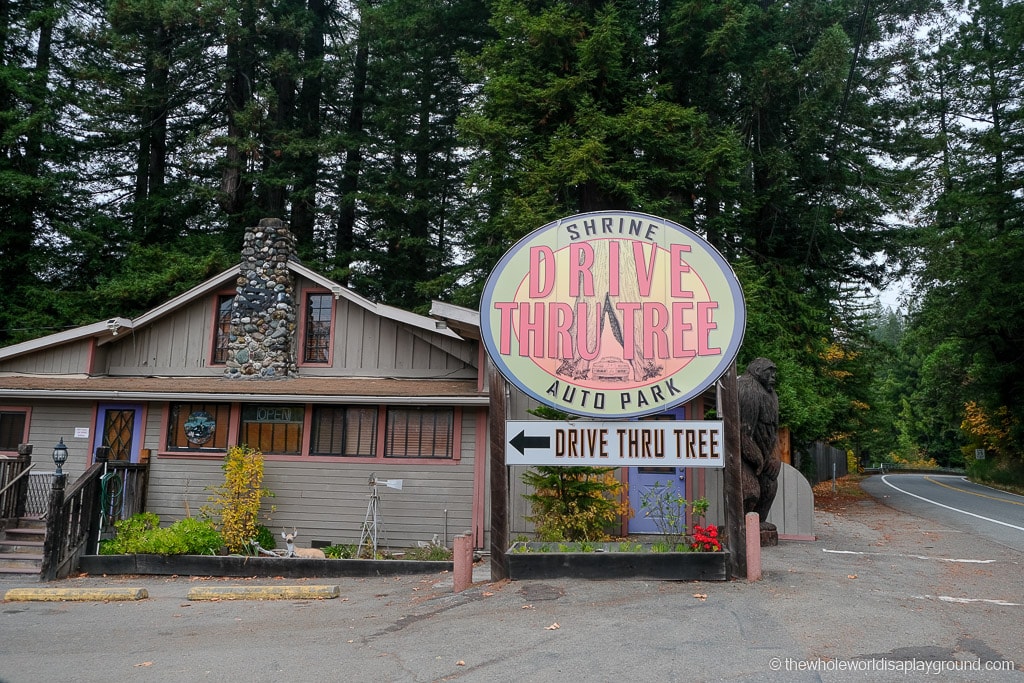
[[956, 502], [881, 595]]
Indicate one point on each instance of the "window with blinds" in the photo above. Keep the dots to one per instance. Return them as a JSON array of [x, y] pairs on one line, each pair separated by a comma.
[[272, 429], [348, 432], [419, 433]]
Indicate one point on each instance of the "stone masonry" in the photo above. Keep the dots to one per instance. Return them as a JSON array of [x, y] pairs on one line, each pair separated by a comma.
[[264, 314]]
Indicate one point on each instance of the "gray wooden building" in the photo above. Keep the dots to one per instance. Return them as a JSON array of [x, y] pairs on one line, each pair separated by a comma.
[[332, 388]]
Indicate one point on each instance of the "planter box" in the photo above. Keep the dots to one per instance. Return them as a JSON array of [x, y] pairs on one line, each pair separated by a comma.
[[531, 561], [232, 565]]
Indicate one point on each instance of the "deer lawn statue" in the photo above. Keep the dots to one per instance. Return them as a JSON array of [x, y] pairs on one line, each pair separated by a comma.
[[289, 541]]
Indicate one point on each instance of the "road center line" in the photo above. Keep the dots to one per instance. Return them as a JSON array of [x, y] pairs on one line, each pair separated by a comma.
[[885, 481]]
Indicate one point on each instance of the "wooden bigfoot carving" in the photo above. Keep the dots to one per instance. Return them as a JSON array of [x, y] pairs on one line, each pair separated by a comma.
[[759, 432]]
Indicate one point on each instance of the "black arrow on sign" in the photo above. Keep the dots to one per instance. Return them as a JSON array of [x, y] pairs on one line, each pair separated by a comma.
[[521, 442]]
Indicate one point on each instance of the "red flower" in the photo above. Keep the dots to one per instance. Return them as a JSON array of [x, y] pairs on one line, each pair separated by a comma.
[[706, 538]]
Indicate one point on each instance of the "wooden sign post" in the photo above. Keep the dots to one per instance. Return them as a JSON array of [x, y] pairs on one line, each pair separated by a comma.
[[729, 406]]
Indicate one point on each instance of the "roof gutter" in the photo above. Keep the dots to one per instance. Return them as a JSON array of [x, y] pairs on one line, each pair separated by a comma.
[[243, 398]]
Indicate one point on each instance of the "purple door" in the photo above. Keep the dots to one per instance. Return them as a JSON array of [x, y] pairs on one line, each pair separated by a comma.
[[645, 480], [118, 427]]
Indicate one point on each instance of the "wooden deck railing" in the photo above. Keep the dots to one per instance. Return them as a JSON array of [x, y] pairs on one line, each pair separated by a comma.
[[111, 490], [14, 484]]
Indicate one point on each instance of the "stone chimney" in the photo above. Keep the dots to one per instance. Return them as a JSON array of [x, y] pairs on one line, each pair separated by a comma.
[[264, 315]]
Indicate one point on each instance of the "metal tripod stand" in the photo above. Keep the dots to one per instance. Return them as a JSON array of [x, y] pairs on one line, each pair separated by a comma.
[[372, 525]]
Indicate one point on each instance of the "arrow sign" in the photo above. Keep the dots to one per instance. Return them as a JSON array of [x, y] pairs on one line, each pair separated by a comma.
[[693, 443], [522, 442]]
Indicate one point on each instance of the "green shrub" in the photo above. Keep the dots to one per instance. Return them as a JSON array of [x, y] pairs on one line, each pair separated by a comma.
[[342, 551], [142, 533], [265, 537], [432, 552], [575, 503], [1000, 472]]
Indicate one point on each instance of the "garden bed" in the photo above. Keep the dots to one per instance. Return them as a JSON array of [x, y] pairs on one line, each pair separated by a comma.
[[531, 561], [236, 565]]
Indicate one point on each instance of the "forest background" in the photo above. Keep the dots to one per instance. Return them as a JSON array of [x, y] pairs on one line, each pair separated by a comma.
[[826, 148]]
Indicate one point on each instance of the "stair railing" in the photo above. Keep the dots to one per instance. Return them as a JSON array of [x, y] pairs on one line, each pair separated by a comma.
[[69, 521], [15, 491]]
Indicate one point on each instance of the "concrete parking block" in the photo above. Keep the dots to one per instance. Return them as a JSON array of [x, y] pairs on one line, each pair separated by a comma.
[[74, 594], [264, 593]]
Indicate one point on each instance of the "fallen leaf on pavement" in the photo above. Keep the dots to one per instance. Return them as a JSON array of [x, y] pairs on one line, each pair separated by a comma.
[[553, 627], [701, 596]]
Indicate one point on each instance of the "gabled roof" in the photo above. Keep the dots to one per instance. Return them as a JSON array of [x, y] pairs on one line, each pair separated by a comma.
[[464, 321], [101, 330], [339, 292], [105, 331]]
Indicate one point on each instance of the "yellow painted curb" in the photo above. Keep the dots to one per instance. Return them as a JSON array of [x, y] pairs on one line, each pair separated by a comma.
[[74, 594], [264, 593]]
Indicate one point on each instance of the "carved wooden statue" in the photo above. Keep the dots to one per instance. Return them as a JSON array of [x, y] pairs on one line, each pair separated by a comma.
[[759, 433]]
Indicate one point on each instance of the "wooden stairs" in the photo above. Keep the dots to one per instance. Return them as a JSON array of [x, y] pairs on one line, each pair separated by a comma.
[[21, 546]]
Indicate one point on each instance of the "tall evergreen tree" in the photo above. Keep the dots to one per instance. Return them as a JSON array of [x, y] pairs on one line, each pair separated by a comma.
[[967, 328], [411, 199], [38, 195]]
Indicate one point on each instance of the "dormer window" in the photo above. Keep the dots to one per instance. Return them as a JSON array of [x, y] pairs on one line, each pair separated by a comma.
[[319, 320], [222, 329]]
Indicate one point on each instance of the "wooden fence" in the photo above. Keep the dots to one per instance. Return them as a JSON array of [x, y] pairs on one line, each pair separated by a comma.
[[825, 458]]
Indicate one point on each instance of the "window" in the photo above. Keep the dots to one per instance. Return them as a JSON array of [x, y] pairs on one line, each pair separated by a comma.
[[222, 332], [12, 429], [198, 426], [344, 431], [317, 346], [419, 433], [272, 428]]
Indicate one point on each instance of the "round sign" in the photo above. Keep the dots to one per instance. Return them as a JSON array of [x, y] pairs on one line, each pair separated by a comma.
[[199, 427], [612, 314]]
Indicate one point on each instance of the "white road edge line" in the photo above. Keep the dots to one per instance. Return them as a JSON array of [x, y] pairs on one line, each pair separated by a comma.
[[918, 557], [948, 507]]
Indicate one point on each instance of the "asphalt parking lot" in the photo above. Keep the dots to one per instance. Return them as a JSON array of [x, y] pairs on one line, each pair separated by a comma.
[[879, 596]]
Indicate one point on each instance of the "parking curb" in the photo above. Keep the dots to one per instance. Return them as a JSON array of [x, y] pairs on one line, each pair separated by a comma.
[[264, 593], [74, 594]]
